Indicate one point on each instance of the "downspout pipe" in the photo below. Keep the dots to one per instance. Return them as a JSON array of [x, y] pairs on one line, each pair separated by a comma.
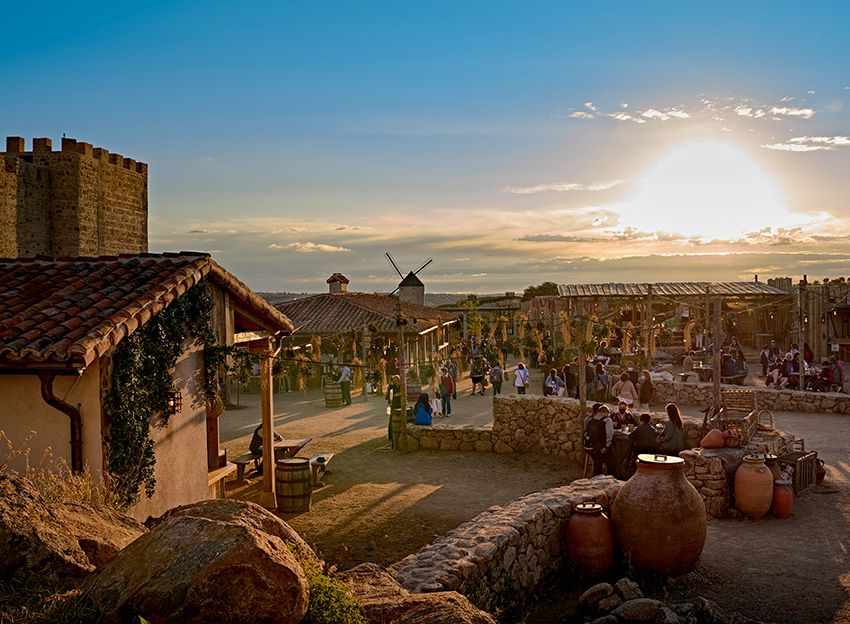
[[46, 377]]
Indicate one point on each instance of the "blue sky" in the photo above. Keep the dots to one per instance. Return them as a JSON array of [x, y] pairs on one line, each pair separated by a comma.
[[511, 142]]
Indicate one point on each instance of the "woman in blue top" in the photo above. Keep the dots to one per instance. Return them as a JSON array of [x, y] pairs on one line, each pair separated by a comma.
[[422, 410]]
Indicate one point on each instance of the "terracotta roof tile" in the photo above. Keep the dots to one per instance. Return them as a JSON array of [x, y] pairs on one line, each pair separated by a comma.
[[331, 313], [69, 312]]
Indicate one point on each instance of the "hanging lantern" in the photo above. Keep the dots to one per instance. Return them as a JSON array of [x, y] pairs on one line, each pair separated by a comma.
[[174, 403]]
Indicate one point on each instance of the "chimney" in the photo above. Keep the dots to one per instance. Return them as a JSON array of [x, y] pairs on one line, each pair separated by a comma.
[[337, 283], [411, 290]]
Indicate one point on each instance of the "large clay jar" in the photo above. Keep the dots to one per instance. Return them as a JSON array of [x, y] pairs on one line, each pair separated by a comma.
[[783, 498], [713, 439], [753, 487], [590, 541], [659, 517]]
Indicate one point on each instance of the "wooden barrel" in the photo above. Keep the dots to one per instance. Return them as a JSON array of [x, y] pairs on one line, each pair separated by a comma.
[[333, 394], [293, 484]]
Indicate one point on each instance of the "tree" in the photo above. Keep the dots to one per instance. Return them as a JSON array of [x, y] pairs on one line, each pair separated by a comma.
[[544, 289]]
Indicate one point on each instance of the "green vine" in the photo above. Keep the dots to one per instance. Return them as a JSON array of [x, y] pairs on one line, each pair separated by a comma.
[[142, 381]]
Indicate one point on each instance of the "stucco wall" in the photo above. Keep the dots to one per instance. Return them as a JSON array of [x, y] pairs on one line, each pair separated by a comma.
[[22, 410], [181, 445]]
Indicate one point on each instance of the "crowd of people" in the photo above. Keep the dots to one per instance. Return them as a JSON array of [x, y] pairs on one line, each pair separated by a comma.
[[782, 368], [600, 424]]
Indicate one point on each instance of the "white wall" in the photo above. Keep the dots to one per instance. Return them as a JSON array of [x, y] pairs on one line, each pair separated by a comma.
[[181, 445], [22, 410]]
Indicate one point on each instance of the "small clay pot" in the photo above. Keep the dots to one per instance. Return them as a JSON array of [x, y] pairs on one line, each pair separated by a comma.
[[732, 439], [783, 498], [590, 541]]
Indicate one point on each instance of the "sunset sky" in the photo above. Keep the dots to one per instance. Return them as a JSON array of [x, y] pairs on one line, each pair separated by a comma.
[[511, 142]]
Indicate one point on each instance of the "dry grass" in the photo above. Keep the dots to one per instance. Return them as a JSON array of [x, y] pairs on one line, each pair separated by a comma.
[[54, 480], [26, 604]]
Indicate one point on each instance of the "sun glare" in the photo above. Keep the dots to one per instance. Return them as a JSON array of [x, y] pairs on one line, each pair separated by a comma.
[[707, 190]]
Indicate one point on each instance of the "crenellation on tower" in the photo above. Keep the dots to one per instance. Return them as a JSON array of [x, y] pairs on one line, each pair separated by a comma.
[[78, 201]]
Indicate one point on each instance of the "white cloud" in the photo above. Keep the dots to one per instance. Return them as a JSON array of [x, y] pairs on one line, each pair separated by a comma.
[[651, 113], [787, 111], [308, 247], [591, 106], [581, 115], [810, 144], [563, 187], [625, 117]]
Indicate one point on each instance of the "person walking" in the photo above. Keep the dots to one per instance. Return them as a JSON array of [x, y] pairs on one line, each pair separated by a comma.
[[447, 389], [452, 368], [520, 378], [345, 383], [625, 390], [497, 376], [597, 438]]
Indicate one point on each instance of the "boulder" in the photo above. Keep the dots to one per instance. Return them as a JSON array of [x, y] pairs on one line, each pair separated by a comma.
[[36, 547], [590, 598], [666, 615], [707, 612], [638, 610], [384, 600], [192, 569], [249, 515], [628, 589], [101, 532]]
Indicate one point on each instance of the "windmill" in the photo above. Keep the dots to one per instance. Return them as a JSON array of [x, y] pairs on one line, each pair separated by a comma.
[[398, 419]]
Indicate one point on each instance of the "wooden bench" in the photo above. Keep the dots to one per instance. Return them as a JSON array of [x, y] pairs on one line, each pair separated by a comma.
[[319, 465], [734, 379], [216, 478], [242, 461]]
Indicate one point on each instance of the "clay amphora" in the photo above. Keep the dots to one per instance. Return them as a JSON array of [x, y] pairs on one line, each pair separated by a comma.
[[753, 487], [713, 439], [659, 517], [732, 438], [772, 462], [590, 541], [783, 498]]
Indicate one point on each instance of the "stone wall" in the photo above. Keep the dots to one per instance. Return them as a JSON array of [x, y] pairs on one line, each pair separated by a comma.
[[775, 400], [73, 202], [526, 424], [506, 552]]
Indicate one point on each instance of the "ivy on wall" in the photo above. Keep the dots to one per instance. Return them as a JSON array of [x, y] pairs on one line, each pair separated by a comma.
[[142, 381]]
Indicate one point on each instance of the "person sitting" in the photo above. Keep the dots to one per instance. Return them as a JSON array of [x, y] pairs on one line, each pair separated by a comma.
[[838, 372], [422, 411], [625, 390], [623, 416], [776, 376], [791, 370], [553, 385], [671, 441], [644, 438], [602, 353], [688, 364], [256, 445]]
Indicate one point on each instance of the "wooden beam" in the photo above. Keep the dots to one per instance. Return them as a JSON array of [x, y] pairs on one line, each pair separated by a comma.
[[267, 497]]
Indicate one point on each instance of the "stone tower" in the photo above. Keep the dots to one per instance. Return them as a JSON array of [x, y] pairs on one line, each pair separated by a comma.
[[79, 201], [411, 290]]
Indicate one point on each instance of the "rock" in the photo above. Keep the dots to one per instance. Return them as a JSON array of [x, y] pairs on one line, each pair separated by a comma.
[[606, 619], [591, 597], [193, 569], [245, 514], [667, 616], [628, 589], [638, 610], [609, 603], [36, 546], [101, 532], [707, 612], [384, 600], [442, 608]]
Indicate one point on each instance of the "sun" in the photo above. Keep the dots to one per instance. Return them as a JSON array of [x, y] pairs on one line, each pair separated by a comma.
[[709, 190]]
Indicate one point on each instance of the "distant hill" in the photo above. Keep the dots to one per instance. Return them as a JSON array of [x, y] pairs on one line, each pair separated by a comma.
[[431, 299]]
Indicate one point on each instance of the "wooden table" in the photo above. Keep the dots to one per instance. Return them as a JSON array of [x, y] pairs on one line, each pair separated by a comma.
[[705, 373], [289, 448]]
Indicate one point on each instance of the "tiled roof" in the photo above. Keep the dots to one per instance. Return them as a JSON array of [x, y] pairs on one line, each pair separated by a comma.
[[343, 312], [670, 289], [70, 311]]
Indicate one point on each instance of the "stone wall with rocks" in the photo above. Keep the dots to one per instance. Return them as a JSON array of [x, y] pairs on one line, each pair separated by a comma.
[[526, 424], [504, 552], [767, 398]]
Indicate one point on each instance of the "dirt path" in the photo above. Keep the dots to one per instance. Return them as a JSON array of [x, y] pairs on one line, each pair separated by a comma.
[[379, 506]]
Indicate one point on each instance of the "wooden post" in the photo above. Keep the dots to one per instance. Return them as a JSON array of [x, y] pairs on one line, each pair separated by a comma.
[[647, 348], [802, 319], [365, 351], [716, 331], [267, 498], [401, 372]]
